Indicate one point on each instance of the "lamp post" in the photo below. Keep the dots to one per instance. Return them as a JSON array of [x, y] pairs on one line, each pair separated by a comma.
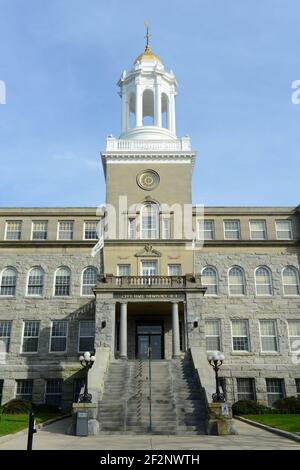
[[87, 361], [216, 359]]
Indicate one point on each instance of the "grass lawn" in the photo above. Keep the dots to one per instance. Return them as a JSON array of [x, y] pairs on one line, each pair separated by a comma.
[[287, 422], [10, 424]]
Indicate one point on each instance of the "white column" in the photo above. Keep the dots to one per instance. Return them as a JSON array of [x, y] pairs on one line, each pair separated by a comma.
[[172, 119], [124, 112], [139, 105], [175, 330], [157, 110], [123, 331]]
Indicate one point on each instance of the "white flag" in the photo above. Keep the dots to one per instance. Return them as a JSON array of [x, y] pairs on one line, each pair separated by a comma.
[[99, 245]]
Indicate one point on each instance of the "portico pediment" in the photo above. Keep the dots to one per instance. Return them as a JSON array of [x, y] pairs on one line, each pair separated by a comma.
[[148, 250]]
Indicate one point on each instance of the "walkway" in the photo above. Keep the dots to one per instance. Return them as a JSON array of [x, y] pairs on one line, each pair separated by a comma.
[[249, 438]]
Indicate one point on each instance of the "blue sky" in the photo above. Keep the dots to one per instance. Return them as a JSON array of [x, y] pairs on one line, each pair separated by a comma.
[[234, 60]]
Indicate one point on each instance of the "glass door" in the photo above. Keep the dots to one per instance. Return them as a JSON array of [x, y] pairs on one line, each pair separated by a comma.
[[149, 269], [149, 336]]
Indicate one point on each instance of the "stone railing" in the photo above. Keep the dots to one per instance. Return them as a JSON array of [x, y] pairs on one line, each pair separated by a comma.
[[182, 144], [110, 282]]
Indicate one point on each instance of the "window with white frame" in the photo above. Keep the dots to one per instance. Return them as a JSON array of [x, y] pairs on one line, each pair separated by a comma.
[[284, 229], [5, 335], [24, 389], [290, 281], [89, 280], [13, 230], [31, 333], [65, 229], [212, 335], [35, 284], [275, 390], [174, 270], [297, 381], [166, 228], [62, 282], [59, 335], [209, 279], [258, 230], [124, 270], [294, 335], [240, 335], [53, 392], [232, 230], [263, 281], [86, 335], [236, 281], [245, 389], [39, 230], [268, 335], [132, 228], [90, 230], [8, 282], [149, 269], [206, 229], [150, 221]]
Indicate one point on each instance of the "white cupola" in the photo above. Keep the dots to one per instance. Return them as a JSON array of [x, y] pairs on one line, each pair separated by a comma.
[[148, 99]]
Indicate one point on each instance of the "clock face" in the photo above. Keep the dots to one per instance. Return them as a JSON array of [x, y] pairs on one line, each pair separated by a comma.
[[148, 179]]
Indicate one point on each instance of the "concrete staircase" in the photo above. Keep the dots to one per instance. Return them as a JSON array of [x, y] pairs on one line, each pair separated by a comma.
[[177, 404]]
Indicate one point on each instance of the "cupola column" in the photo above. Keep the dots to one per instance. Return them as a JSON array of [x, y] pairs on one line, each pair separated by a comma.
[[125, 112], [172, 121], [139, 105]]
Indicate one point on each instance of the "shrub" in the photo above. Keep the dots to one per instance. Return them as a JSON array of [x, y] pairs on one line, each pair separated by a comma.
[[17, 406], [43, 408], [288, 405], [248, 407]]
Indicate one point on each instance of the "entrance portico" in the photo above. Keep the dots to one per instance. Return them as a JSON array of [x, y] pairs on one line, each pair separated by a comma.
[[134, 313]]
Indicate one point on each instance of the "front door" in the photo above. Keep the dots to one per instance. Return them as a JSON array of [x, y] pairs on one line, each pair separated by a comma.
[[149, 336]]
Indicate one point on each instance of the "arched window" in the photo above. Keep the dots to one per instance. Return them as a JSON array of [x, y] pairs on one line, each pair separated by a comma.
[[236, 281], [148, 108], [209, 279], [8, 282], [62, 282], [290, 281], [165, 111], [150, 221], [35, 284], [89, 279], [263, 281]]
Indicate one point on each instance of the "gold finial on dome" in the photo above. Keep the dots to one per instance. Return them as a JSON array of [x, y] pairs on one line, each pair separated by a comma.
[[147, 55]]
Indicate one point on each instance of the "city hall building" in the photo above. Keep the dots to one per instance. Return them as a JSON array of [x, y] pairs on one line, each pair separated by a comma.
[[235, 290]]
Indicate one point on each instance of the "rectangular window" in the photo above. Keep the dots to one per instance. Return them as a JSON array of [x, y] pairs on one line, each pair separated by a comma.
[[24, 389], [232, 230], [53, 392], [39, 230], [90, 230], [240, 335], [268, 336], [166, 226], [212, 335], [1, 390], [294, 335], [149, 269], [59, 334], [132, 229], [124, 270], [206, 229], [284, 229], [31, 336], [86, 335], [297, 387], [5, 334], [13, 230], [258, 230], [245, 389], [65, 230], [174, 270], [275, 390]]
